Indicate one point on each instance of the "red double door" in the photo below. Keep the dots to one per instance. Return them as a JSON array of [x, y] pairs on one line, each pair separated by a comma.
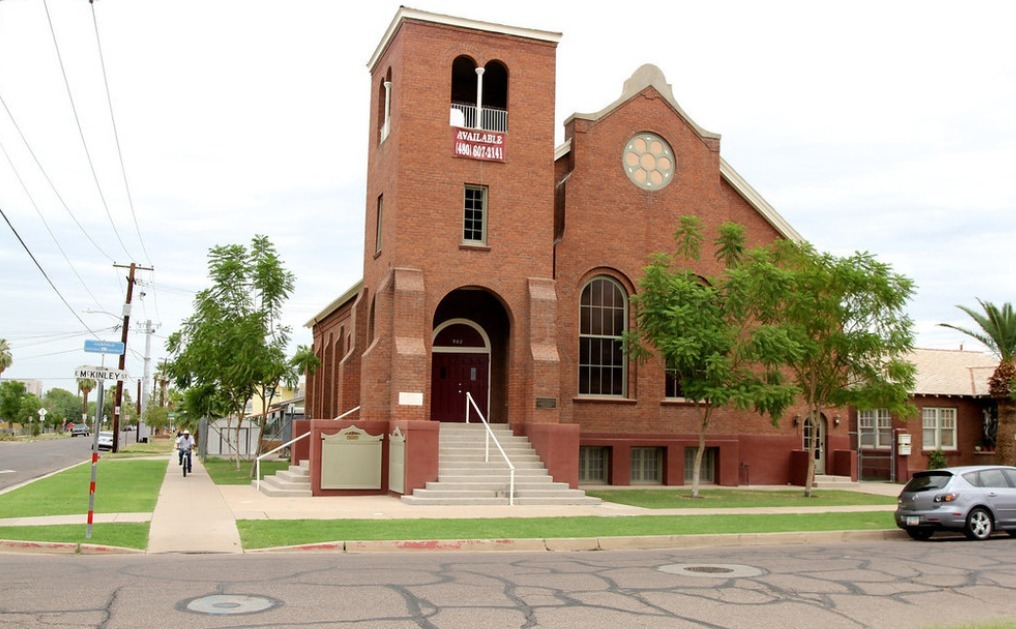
[[453, 375]]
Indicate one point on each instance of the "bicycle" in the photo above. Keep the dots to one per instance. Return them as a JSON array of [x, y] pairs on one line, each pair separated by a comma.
[[186, 462]]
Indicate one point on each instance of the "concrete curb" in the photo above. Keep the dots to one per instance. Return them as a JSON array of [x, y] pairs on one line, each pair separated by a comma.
[[63, 548], [585, 544]]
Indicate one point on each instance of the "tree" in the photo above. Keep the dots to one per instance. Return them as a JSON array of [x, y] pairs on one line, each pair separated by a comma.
[[62, 405], [6, 359], [234, 340], [997, 331], [304, 360], [11, 394], [716, 336], [85, 385], [847, 315], [29, 412]]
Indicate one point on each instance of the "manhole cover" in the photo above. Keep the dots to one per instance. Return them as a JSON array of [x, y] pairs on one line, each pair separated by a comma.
[[714, 570], [229, 604]]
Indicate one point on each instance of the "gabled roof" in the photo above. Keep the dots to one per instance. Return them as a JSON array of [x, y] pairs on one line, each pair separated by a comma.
[[649, 75], [952, 372], [336, 304]]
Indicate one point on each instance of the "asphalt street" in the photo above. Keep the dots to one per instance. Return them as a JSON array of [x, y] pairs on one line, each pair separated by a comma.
[[22, 461], [942, 583]]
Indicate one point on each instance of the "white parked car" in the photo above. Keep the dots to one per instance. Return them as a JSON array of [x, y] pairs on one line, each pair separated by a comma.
[[105, 440]]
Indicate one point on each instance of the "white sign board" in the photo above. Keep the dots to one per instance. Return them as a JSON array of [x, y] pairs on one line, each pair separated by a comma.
[[100, 373]]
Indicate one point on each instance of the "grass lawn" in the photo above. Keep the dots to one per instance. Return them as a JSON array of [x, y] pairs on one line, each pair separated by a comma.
[[269, 533], [123, 534], [680, 498], [120, 486], [224, 472]]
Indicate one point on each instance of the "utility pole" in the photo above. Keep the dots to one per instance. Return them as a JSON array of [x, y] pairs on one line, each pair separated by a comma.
[[123, 357]]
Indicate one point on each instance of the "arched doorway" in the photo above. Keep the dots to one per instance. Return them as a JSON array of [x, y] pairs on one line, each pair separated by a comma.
[[460, 364]]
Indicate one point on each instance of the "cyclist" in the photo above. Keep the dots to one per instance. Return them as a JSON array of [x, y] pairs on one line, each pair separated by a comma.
[[185, 443]]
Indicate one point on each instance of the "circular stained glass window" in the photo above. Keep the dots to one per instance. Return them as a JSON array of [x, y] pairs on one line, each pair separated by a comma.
[[649, 161]]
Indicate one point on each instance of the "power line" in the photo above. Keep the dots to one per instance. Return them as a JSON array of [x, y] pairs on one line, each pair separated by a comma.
[[116, 135], [41, 270], [46, 224], [52, 186], [81, 132]]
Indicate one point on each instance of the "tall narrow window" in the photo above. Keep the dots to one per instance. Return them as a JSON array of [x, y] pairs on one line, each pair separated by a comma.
[[380, 223], [603, 318], [474, 215], [384, 107], [939, 426], [672, 383], [875, 428]]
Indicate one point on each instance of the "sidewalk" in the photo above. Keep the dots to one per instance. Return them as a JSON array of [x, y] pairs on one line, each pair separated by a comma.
[[194, 515], [191, 516]]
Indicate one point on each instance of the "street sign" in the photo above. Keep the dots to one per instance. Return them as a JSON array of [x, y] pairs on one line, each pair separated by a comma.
[[104, 347], [100, 373]]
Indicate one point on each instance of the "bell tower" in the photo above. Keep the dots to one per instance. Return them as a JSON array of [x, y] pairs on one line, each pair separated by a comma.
[[459, 237]]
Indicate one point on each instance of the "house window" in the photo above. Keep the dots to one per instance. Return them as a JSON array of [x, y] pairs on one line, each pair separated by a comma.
[[593, 465], [646, 465], [380, 216], [939, 428], [603, 318], [474, 215], [672, 383], [875, 428], [708, 474]]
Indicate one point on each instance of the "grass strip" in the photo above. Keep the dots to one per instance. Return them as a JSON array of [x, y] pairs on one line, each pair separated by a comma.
[[224, 472], [121, 486], [122, 534], [680, 498], [270, 533]]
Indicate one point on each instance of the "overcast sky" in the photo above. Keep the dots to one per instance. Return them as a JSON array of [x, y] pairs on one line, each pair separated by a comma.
[[881, 126]]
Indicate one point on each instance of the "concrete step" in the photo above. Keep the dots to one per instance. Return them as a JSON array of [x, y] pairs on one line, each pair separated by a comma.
[[465, 478], [270, 486], [831, 482]]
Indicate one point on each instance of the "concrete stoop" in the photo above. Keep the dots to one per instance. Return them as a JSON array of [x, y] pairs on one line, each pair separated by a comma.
[[294, 482], [466, 478], [828, 481]]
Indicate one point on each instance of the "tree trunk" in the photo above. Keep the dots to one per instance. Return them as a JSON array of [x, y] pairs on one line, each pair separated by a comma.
[[810, 421], [696, 475], [1005, 435]]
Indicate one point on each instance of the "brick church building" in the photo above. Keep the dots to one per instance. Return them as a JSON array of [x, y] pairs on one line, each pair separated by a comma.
[[501, 266]]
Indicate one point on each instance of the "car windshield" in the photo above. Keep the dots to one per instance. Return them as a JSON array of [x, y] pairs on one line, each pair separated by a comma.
[[927, 481]]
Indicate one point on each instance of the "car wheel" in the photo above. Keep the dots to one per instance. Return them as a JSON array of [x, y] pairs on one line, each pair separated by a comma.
[[919, 533], [979, 525]]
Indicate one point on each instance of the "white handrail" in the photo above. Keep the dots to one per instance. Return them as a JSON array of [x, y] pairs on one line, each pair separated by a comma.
[[486, 447], [257, 461]]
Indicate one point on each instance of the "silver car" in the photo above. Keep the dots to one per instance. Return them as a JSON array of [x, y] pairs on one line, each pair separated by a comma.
[[976, 500]]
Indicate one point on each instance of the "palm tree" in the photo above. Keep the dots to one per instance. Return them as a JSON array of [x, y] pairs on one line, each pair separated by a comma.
[[85, 385], [6, 360], [304, 360], [998, 332]]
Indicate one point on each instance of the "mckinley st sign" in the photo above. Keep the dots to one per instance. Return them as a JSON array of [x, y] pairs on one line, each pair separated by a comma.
[[100, 373]]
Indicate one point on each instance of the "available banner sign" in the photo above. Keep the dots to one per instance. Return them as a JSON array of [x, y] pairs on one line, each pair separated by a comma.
[[478, 144]]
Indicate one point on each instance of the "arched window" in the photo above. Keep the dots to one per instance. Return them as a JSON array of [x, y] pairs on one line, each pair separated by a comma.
[[384, 106], [479, 98], [603, 319]]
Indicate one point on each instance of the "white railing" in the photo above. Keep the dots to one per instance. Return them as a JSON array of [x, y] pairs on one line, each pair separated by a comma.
[[491, 118], [257, 462], [470, 402]]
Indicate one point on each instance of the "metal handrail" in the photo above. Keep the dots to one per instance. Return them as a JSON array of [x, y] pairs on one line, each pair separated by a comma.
[[257, 461], [486, 447]]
